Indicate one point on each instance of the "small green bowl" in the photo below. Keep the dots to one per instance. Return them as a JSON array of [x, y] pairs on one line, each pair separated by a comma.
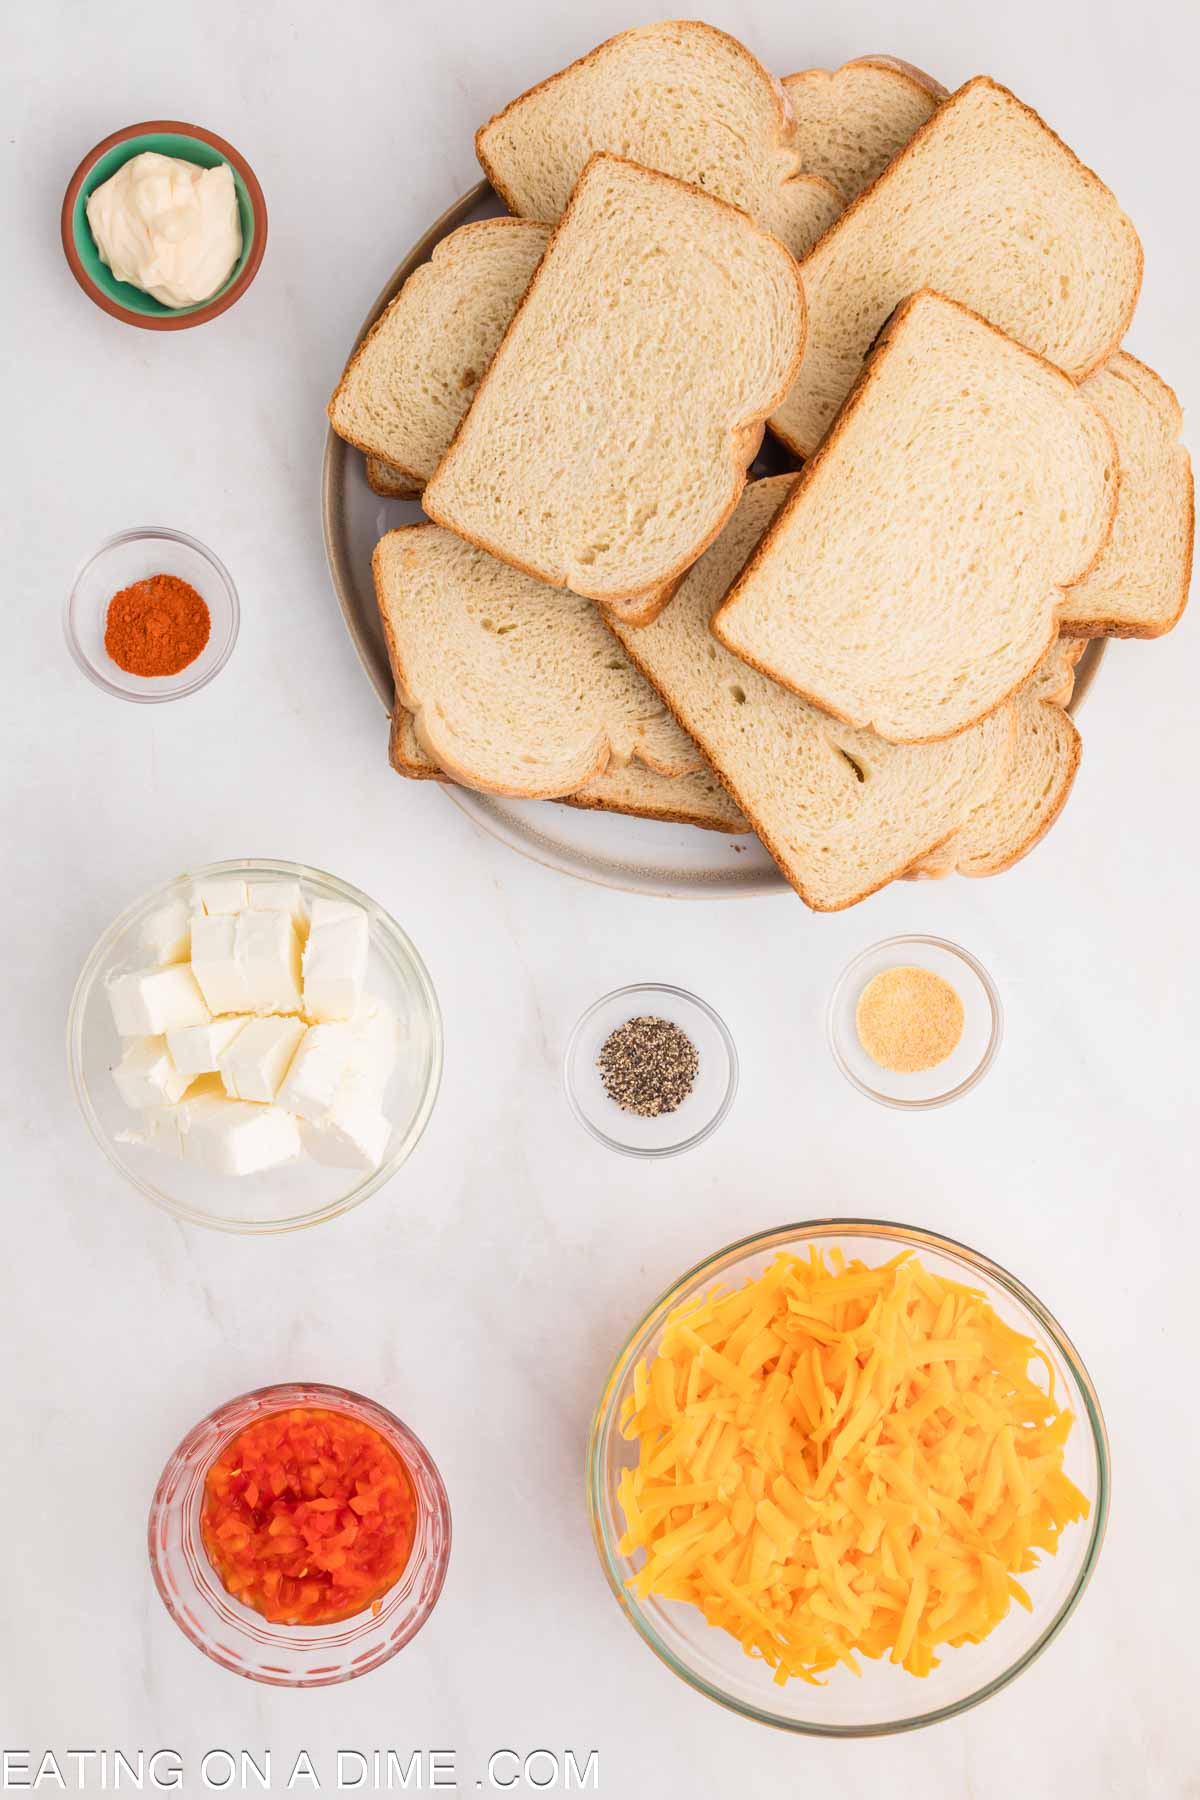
[[120, 298]]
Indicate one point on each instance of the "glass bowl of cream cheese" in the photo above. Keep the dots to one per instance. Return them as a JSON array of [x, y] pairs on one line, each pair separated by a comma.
[[164, 225], [256, 1046]]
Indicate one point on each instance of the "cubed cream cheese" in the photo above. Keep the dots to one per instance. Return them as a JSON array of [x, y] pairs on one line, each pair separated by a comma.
[[160, 1132], [257, 1060], [167, 933], [335, 960], [203, 1092], [267, 950], [223, 1136], [376, 1041], [235, 1137], [278, 896], [215, 962], [195, 1049], [352, 1135], [147, 1076], [325, 910], [164, 1127], [147, 1002], [219, 894], [322, 1060]]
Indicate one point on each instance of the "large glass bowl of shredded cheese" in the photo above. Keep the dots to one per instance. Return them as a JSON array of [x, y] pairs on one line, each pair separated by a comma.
[[848, 1478]]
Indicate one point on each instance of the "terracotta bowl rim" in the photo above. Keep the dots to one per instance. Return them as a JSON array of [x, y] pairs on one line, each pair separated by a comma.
[[224, 300]]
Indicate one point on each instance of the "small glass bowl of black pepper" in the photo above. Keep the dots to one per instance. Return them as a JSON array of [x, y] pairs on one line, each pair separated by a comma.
[[650, 1070]]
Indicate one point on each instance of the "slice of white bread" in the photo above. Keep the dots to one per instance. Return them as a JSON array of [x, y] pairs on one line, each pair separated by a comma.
[[610, 437], [1138, 589], [410, 381], [696, 798], [1054, 679], [986, 205], [389, 482], [841, 811], [1006, 826], [851, 122], [412, 378], [514, 687], [1140, 585], [912, 583], [679, 96]]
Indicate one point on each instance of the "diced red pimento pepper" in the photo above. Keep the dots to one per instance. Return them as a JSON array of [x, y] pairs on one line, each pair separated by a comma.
[[308, 1516]]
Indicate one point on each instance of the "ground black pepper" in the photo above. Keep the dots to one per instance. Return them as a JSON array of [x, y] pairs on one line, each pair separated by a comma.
[[648, 1066]]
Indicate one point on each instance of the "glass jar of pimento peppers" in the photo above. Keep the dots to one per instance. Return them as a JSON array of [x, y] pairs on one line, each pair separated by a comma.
[[300, 1535]]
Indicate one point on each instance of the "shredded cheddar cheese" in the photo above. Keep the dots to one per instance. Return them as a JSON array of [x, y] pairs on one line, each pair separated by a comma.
[[836, 1461]]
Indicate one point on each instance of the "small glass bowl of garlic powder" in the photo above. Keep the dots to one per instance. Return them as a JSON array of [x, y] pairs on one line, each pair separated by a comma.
[[914, 1022]]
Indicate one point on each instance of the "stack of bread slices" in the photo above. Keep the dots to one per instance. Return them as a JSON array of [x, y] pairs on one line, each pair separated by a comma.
[[922, 295]]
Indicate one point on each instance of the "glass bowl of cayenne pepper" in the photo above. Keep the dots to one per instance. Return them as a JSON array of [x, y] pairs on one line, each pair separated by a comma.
[[300, 1535], [152, 615]]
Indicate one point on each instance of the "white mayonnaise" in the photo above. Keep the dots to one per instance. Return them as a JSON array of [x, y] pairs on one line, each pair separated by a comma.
[[168, 226]]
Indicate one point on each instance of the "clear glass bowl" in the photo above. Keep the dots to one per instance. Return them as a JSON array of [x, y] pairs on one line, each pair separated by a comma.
[[133, 556], [967, 1064], [711, 1096], [239, 1639], [885, 1698], [298, 1193]]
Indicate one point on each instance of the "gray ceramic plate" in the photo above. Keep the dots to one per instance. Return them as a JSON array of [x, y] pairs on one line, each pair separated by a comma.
[[639, 855]]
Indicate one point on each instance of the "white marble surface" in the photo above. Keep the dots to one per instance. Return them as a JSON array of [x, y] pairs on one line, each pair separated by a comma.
[[483, 1293]]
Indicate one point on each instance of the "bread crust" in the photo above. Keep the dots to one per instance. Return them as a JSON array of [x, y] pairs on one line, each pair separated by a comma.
[[1069, 651], [907, 72], [916, 78], [378, 483], [429, 771], [1102, 626], [917, 871], [478, 226], [417, 482], [914, 141], [446, 761], [871, 365], [644, 611], [665, 815], [404, 765], [764, 836], [1066, 784], [771, 84], [403, 693], [641, 605]]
